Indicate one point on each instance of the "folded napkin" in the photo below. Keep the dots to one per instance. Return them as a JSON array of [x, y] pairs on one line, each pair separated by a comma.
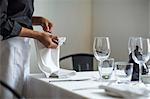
[[63, 73], [127, 91], [48, 59]]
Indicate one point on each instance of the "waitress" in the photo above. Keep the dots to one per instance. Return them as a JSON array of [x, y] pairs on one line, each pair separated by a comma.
[[16, 22]]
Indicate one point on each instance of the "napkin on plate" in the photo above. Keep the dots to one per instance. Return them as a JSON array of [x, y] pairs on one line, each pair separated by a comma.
[[127, 91], [48, 60]]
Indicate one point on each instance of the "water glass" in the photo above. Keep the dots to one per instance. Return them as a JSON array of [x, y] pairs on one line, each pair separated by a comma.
[[106, 69], [123, 71]]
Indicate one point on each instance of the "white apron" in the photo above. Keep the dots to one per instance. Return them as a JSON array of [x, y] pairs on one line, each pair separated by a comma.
[[14, 64]]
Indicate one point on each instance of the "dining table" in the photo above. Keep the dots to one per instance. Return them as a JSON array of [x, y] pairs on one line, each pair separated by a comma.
[[83, 85]]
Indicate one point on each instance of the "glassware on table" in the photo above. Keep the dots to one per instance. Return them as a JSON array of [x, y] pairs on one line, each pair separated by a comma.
[[106, 69], [140, 49], [123, 72], [101, 49]]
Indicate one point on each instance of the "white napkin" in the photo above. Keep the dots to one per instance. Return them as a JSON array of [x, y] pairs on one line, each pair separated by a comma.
[[64, 73], [48, 59], [127, 91]]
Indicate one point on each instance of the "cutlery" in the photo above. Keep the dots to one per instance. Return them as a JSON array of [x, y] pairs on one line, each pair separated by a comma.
[[64, 80]]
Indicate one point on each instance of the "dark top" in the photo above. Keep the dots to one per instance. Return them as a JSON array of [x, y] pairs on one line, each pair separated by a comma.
[[15, 14]]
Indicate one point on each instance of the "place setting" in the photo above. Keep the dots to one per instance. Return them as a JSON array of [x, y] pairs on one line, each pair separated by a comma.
[[122, 78]]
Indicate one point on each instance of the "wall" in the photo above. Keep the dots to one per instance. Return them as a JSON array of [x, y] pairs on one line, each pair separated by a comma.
[[71, 18], [149, 17], [120, 19], [81, 20]]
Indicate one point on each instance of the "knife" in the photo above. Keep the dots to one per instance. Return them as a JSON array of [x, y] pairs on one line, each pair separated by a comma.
[[64, 80]]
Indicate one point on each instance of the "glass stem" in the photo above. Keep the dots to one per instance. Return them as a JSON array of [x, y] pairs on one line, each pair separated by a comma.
[[140, 72], [100, 69]]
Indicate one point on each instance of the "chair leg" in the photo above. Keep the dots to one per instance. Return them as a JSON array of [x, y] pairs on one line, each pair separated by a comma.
[[10, 89]]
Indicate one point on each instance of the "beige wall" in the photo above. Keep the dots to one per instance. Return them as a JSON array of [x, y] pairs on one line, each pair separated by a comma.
[[71, 18], [81, 20], [149, 17], [120, 19]]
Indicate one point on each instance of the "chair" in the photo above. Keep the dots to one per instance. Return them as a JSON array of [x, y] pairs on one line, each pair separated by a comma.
[[10, 89], [81, 61]]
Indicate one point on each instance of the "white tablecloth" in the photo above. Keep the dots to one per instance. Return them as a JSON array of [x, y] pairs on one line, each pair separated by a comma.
[[40, 87]]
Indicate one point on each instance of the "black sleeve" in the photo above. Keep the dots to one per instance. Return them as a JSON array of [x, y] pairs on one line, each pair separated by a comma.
[[8, 27]]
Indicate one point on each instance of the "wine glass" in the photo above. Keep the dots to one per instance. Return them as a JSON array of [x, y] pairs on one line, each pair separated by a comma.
[[140, 51], [101, 49]]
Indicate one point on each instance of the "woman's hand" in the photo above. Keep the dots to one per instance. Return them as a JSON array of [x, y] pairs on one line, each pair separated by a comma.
[[45, 23], [49, 40]]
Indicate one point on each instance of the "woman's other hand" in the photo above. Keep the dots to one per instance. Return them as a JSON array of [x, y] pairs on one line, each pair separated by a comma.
[[45, 23]]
